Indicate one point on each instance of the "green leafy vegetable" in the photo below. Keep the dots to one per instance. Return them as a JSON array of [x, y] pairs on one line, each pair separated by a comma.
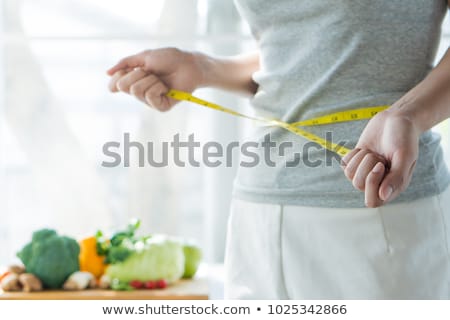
[[50, 257], [148, 258], [121, 244], [118, 285], [152, 259]]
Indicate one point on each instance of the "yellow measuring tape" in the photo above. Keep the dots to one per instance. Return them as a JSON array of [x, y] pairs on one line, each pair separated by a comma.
[[343, 116]]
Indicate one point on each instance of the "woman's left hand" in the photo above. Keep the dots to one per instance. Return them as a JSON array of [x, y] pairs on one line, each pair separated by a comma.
[[383, 161]]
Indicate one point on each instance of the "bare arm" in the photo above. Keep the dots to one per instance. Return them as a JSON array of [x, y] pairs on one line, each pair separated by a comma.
[[428, 103], [232, 74], [149, 75]]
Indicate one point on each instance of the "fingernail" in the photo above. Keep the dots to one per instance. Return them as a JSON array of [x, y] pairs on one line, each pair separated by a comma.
[[378, 168], [388, 193]]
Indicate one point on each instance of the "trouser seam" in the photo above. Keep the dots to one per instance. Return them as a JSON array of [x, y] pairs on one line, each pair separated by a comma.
[[282, 272], [389, 248]]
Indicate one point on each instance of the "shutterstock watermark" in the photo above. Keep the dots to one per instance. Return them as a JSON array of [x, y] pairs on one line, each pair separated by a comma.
[[190, 152]]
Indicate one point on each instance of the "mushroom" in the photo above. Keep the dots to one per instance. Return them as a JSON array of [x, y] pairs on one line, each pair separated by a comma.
[[16, 269], [79, 281], [30, 282], [105, 282], [11, 283]]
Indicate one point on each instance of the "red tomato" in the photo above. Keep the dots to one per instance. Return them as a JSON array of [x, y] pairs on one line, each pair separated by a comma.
[[150, 285], [161, 284], [136, 284]]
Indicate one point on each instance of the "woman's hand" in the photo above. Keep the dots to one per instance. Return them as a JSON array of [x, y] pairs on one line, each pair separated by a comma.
[[149, 75], [394, 136], [383, 161]]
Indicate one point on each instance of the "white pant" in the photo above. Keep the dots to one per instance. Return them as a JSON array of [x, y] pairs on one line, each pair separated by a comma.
[[398, 251]]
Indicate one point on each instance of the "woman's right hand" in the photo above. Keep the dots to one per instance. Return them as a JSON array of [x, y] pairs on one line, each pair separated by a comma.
[[149, 75]]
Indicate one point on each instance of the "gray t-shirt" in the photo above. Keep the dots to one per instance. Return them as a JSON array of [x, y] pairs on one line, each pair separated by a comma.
[[323, 56]]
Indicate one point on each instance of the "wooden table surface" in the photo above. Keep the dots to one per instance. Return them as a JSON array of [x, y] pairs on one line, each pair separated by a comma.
[[196, 289]]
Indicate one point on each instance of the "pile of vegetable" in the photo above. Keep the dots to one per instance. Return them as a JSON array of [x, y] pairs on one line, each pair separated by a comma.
[[123, 261], [145, 262]]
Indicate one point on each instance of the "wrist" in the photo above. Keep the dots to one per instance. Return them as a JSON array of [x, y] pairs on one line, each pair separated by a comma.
[[213, 72], [199, 61], [411, 113]]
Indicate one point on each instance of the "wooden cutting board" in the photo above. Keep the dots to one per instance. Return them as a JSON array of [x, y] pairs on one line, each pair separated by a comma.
[[196, 289]]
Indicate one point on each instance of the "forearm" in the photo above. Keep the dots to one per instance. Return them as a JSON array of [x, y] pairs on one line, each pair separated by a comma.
[[428, 103], [231, 74]]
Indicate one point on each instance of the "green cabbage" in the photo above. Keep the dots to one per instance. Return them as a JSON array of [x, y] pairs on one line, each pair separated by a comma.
[[156, 258]]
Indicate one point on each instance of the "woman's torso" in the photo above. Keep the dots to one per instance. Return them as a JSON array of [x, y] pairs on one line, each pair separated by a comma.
[[324, 56]]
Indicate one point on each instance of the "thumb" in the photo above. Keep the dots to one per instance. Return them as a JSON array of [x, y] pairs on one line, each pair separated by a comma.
[[399, 176]]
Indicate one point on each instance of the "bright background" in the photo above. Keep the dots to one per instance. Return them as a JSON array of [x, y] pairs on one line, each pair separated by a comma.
[[56, 113]]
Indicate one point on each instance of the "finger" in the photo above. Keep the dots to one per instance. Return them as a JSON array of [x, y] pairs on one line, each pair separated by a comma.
[[399, 176], [131, 62], [353, 164], [124, 83], [112, 85], [372, 185], [156, 97], [346, 159], [364, 168], [139, 88]]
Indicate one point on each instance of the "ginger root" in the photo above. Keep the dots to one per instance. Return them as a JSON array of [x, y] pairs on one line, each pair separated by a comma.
[[30, 282]]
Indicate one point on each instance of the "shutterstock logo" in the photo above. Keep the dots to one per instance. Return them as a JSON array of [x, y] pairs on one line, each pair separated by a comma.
[[183, 153]]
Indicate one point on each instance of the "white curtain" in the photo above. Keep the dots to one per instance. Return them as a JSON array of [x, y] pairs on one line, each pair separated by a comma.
[[51, 135], [56, 186]]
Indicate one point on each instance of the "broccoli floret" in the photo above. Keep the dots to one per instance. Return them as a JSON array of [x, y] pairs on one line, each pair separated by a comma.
[[43, 234], [50, 257]]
